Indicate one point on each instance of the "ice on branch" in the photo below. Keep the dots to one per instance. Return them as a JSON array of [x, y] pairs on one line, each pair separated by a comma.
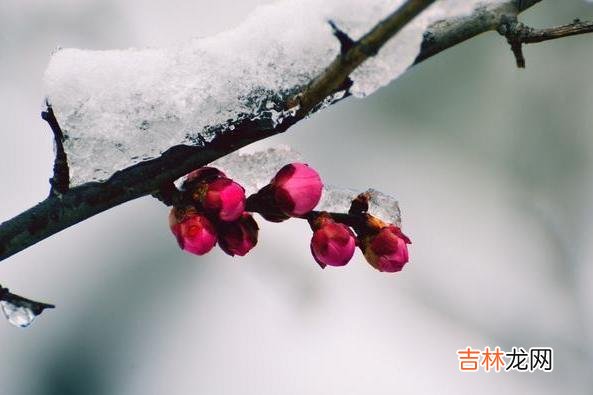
[[255, 170], [381, 205], [120, 107]]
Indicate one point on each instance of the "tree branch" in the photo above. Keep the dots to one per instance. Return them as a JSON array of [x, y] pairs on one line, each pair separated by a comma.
[[337, 73], [448, 33], [57, 213], [60, 211]]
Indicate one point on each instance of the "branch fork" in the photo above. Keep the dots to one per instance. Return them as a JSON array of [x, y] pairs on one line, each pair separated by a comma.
[[518, 34]]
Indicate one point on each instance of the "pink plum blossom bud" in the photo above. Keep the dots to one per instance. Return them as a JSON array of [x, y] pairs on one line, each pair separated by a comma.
[[297, 189], [225, 197], [386, 250], [239, 237], [193, 231], [221, 197], [332, 243]]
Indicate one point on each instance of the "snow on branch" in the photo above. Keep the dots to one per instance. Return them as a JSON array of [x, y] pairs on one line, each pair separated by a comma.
[[134, 121], [121, 107]]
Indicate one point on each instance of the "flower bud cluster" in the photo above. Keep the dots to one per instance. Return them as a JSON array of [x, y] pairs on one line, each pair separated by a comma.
[[214, 209]]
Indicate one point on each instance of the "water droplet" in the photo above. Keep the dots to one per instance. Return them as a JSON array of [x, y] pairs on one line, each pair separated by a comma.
[[17, 315]]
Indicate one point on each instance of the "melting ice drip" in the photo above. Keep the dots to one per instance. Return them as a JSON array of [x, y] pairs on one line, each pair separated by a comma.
[[255, 170], [19, 311], [17, 315]]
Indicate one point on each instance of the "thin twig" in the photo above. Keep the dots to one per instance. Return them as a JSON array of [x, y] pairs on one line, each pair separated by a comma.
[[168, 194], [518, 34], [60, 182], [345, 41], [577, 27]]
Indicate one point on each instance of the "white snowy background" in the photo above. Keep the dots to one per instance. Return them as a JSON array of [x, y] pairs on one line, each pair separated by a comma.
[[492, 167]]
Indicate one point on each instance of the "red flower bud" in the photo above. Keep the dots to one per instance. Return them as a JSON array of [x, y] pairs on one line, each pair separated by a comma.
[[387, 250], [193, 231], [239, 237], [332, 243], [223, 197], [297, 189]]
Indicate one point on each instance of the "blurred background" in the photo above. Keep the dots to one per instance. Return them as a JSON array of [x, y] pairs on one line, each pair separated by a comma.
[[492, 167]]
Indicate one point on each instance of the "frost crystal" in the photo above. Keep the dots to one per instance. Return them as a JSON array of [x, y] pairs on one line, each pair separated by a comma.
[[255, 170], [120, 107], [17, 315]]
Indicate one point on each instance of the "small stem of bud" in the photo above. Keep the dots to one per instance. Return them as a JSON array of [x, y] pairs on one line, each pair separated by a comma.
[[169, 195]]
